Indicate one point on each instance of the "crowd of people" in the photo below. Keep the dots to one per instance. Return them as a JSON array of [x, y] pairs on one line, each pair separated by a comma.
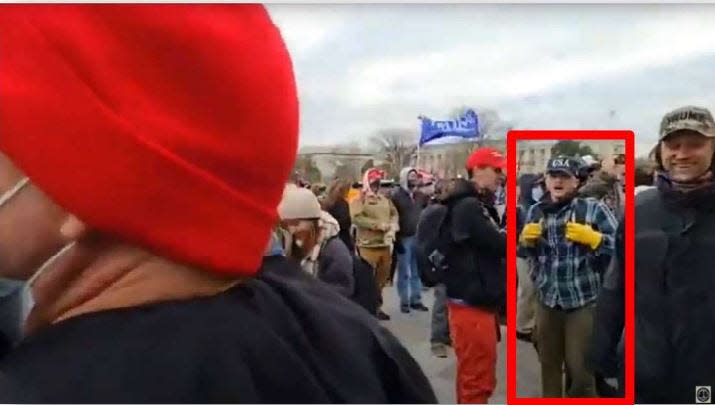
[[399, 228], [146, 257], [180, 263], [571, 269]]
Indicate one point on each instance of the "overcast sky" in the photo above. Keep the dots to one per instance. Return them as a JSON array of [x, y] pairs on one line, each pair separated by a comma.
[[364, 67]]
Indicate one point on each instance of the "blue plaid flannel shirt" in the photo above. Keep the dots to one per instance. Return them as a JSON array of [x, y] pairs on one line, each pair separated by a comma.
[[562, 270]]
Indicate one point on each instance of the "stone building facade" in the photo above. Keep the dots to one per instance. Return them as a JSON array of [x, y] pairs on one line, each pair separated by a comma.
[[447, 160], [532, 156]]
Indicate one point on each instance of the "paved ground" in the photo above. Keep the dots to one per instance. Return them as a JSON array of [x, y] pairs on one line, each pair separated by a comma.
[[413, 330], [528, 371]]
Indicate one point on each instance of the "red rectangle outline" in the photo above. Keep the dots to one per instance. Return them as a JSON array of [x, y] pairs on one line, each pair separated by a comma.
[[629, 213]]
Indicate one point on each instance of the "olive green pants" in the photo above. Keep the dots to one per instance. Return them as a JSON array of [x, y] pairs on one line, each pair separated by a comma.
[[564, 338]]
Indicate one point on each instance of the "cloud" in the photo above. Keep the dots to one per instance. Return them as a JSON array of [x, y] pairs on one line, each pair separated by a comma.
[[365, 67], [305, 28]]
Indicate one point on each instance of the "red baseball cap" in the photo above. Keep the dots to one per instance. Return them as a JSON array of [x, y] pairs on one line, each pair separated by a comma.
[[486, 157], [375, 174]]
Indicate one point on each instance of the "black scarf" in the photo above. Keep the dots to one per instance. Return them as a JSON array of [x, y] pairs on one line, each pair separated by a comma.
[[548, 206], [463, 188], [698, 194]]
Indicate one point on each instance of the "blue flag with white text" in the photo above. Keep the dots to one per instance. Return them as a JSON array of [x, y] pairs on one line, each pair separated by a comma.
[[466, 127]]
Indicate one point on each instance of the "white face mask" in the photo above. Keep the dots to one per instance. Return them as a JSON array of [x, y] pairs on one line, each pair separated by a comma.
[[537, 193], [9, 286], [8, 195], [14, 293]]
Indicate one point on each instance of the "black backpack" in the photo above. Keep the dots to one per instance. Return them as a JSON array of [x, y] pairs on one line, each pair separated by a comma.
[[432, 244]]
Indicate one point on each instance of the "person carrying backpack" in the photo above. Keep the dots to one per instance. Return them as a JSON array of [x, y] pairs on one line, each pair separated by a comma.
[[426, 240], [474, 249], [567, 239]]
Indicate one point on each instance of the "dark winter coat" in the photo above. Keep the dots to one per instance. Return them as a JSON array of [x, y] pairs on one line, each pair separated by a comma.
[[476, 272], [341, 212], [606, 355], [282, 337], [409, 209], [11, 308], [675, 294], [335, 267], [526, 183]]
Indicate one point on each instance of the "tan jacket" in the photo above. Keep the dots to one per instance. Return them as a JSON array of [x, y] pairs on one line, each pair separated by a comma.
[[370, 216]]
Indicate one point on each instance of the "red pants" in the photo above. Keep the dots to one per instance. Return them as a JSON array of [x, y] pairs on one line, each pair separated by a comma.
[[474, 338]]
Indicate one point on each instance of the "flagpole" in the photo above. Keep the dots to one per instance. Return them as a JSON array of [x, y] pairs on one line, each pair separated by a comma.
[[419, 141], [417, 162]]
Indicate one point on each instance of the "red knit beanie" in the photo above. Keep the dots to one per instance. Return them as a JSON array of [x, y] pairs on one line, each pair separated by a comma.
[[173, 127]]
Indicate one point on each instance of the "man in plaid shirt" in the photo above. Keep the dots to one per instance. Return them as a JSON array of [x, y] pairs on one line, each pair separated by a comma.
[[568, 240]]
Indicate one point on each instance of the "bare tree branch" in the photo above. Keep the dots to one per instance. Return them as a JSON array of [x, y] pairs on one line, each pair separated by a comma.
[[396, 146]]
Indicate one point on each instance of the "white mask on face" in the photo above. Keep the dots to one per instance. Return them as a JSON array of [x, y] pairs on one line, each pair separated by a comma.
[[9, 286], [537, 193], [8, 195], [15, 300], [14, 285]]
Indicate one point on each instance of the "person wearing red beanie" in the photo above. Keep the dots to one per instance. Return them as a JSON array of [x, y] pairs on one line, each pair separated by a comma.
[[137, 199]]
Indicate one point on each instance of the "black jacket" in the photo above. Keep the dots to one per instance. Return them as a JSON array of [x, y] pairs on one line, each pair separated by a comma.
[[280, 338], [11, 308], [427, 241], [675, 295], [607, 355], [526, 183], [409, 210], [476, 272], [341, 212]]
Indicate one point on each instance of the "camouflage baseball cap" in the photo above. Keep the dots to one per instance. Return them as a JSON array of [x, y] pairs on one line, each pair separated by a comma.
[[696, 119]]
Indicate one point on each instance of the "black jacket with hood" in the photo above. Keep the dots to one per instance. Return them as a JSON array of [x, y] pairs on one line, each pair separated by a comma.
[[282, 337], [476, 251], [674, 294], [341, 212], [526, 183], [409, 205]]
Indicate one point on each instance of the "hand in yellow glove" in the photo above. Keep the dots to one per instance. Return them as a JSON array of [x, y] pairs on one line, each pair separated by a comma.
[[530, 234], [583, 234]]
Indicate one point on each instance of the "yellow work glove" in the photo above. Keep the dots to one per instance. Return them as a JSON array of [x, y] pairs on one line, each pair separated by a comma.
[[530, 234], [583, 234]]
